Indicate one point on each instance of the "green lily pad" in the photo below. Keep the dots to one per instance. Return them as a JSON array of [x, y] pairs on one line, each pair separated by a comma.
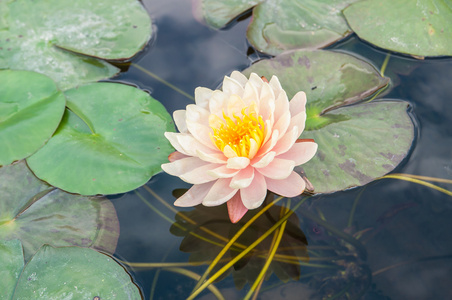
[[279, 25], [11, 265], [419, 28], [31, 108], [62, 273], [38, 33], [111, 140], [37, 214], [356, 143]]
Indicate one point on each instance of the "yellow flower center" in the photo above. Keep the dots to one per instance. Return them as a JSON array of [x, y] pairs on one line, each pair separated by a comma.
[[244, 135]]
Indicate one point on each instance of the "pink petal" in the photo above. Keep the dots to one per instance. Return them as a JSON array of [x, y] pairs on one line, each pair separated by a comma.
[[281, 105], [243, 178], [283, 123], [219, 193], [250, 94], [277, 169], [192, 145], [236, 209], [191, 169], [287, 141], [176, 155], [254, 194], [232, 87], [239, 162], [275, 85], [266, 102], [172, 138], [216, 157], [256, 81], [217, 103], [268, 146], [222, 172], [194, 195], [235, 106], [298, 103], [298, 121], [202, 96], [199, 128], [179, 120], [263, 161], [300, 153], [292, 186], [239, 77]]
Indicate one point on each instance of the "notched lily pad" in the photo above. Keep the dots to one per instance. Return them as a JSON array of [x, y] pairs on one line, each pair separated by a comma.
[[419, 28], [31, 108], [357, 143], [59, 273], [279, 25], [37, 214], [111, 140], [36, 32]]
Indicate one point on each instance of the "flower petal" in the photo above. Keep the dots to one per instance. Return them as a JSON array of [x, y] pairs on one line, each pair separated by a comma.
[[236, 209], [194, 195], [239, 77], [232, 87], [219, 193], [250, 94], [198, 125], [283, 123], [239, 162], [243, 178], [300, 153], [254, 194], [281, 105], [268, 146], [217, 103], [202, 96], [179, 120], [257, 82], [275, 85], [277, 169], [298, 103], [292, 186], [191, 169], [222, 172], [287, 141], [176, 155], [216, 157], [266, 102], [263, 161]]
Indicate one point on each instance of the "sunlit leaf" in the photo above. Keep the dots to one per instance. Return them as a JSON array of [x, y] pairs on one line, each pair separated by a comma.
[[356, 143], [31, 108], [109, 141], [279, 25], [35, 34], [74, 272], [11, 265], [419, 28], [37, 214]]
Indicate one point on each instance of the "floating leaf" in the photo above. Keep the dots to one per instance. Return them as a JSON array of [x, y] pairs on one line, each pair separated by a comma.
[[356, 143], [279, 25], [59, 273], [11, 265], [36, 32], [38, 214], [109, 141], [419, 28], [31, 108]]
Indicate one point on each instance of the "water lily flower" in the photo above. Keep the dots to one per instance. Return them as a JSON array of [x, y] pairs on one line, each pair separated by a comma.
[[234, 145]]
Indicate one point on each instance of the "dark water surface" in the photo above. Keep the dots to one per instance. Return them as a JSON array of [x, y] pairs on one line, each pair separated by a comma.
[[399, 244]]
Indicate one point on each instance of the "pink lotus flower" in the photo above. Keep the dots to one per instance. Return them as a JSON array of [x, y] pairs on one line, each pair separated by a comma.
[[235, 144]]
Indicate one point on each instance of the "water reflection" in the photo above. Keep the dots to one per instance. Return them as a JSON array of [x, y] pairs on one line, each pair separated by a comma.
[[206, 230]]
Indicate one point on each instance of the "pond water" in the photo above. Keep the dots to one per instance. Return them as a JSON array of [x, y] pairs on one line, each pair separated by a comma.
[[390, 239]]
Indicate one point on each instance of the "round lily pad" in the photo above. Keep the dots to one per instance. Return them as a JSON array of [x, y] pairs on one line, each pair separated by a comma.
[[36, 32], [356, 143], [31, 108], [419, 28], [11, 265], [37, 214], [279, 25], [111, 140], [64, 273]]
